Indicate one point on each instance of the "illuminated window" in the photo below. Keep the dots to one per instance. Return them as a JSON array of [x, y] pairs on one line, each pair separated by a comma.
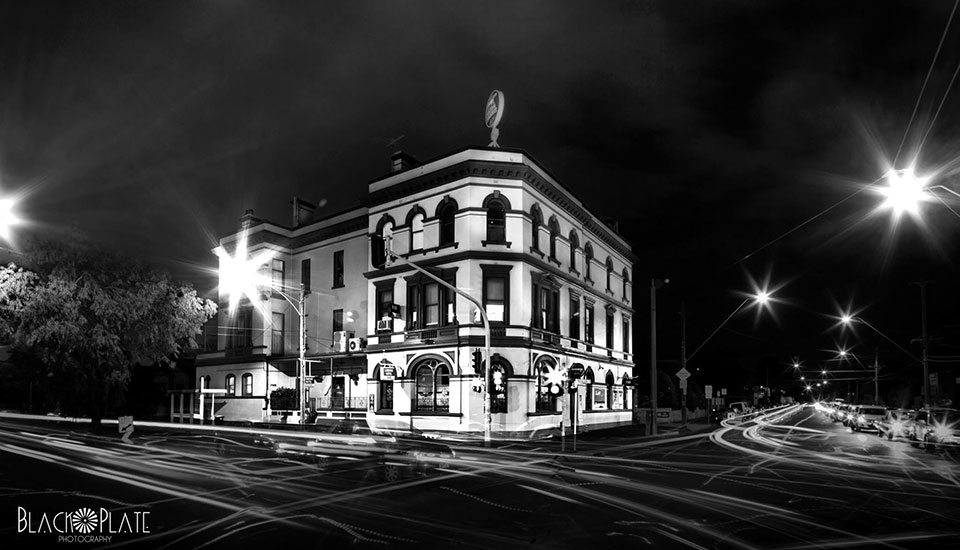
[[496, 292], [430, 304], [278, 276], [433, 386], [230, 383], [247, 387], [416, 230]]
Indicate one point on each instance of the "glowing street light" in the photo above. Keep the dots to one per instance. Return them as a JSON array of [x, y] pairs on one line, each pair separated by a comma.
[[240, 276], [7, 218], [904, 192]]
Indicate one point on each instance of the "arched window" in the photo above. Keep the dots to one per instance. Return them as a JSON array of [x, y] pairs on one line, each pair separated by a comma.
[[611, 386], [624, 389], [205, 381], [499, 381], [496, 221], [609, 273], [546, 400], [588, 381], [433, 386], [247, 388], [574, 244], [380, 240], [587, 260], [230, 383], [626, 281], [446, 213], [385, 391], [536, 220], [415, 221], [554, 233]]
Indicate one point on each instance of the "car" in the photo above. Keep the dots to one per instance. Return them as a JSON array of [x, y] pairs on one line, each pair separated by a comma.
[[866, 417], [934, 428], [895, 423], [839, 413], [740, 407]]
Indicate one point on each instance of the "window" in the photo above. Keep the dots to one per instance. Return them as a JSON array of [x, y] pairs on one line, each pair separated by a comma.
[[230, 383], [338, 267], [385, 391], [574, 316], [205, 381], [546, 401], [554, 233], [247, 388], [588, 321], [609, 328], [433, 386], [416, 231], [384, 298], [305, 275], [337, 320], [496, 292], [277, 278], [623, 393], [241, 335], [379, 242], [429, 304], [587, 260], [609, 274], [625, 282], [536, 220], [574, 243], [498, 393], [611, 393], [599, 396], [447, 212], [589, 382], [496, 222], [625, 333], [546, 303], [277, 339]]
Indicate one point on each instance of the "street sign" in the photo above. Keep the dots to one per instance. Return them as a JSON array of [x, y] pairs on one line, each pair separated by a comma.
[[683, 374], [575, 371], [708, 390], [308, 380], [683, 383]]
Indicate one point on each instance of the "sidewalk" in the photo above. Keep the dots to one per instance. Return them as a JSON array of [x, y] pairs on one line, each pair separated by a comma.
[[640, 430]]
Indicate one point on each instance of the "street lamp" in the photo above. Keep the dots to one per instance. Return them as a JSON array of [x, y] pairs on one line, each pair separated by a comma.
[[240, 276], [654, 285], [7, 218], [904, 192]]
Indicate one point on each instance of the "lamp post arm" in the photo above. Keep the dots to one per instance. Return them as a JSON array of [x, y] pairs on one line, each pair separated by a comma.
[[743, 303], [487, 420]]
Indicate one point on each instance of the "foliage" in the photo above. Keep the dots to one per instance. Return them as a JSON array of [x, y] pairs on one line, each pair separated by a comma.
[[284, 399], [88, 316]]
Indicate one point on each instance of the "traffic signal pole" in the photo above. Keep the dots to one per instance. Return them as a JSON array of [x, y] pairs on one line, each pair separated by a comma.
[[487, 419]]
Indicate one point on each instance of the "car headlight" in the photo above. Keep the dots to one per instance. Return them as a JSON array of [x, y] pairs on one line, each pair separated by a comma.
[[861, 418], [942, 432]]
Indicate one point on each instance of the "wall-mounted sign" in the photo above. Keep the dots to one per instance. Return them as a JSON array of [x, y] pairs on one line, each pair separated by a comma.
[[493, 115], [388, 373]]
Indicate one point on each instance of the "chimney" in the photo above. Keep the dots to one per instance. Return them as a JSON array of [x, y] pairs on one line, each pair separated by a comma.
[[248, 220], [302, 211], [400, 161]]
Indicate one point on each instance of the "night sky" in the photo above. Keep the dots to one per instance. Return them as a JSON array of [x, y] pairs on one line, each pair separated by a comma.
[[709, 130]]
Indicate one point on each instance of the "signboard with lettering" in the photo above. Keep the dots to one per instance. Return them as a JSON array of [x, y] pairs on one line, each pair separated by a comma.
[[388, 373], [575, 371]]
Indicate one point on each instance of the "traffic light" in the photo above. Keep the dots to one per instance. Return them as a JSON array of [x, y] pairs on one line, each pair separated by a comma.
[[555, 389], [478, 362], [498, 381]]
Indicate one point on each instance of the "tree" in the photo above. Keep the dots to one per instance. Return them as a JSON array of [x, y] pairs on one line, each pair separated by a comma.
[[89, 315]]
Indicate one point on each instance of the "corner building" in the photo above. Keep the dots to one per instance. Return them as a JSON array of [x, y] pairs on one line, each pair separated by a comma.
[[555, 282]]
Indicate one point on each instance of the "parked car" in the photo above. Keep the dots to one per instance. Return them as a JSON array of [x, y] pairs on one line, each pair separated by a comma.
[[866, 417], [895, 423], [935, 427], [740, 407], [840, 413]]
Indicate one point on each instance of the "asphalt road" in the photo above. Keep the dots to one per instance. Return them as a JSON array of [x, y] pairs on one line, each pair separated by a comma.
[[787, 480]]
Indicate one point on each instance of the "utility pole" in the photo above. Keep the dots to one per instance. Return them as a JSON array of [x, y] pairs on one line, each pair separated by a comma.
[[876, 377], [683, 360], [924, 340]]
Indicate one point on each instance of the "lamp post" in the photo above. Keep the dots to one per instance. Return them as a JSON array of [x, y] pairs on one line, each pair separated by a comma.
[[487, 419], [301, 314], [654, 285]]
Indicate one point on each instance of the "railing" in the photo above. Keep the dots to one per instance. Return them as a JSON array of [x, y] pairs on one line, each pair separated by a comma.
[[431, 333], [342, 403]]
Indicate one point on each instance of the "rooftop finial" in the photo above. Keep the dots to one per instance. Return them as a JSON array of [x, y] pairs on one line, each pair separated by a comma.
[[494, 113]]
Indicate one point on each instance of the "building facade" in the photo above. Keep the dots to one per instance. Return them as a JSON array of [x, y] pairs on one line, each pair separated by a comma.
[[554, 281]]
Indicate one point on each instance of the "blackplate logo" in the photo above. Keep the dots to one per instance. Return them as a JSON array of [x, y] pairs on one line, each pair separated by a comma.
[[83, 525]]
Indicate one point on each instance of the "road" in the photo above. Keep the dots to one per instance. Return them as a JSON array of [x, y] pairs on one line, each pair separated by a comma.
[[789, 480]]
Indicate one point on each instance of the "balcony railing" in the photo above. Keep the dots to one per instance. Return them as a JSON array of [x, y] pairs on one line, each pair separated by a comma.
[[342, 403]]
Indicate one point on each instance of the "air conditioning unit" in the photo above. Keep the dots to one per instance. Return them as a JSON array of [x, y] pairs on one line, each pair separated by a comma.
[[385, 325], [340, 341], [354, 345]]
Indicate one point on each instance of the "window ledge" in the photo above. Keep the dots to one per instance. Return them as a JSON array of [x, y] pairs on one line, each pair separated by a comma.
[[431, 413], [498, 243], [588, 279], [537, 251], [338, 286], [384, 412], [543, 413], [553, 260], [574, 271]]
